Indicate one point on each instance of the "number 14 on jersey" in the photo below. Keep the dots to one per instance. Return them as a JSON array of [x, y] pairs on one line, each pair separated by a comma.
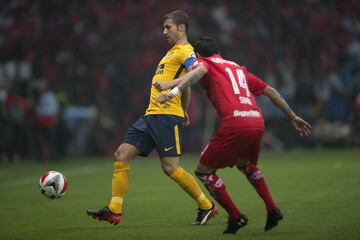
[[240, 83]]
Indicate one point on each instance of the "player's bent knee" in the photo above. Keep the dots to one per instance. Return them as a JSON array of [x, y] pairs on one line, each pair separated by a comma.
[[202, 169], [168, 169], [125, 153], [169, 165], [252, 171], [118, 156], [121, 156]]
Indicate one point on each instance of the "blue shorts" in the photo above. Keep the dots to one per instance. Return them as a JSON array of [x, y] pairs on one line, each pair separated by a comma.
[[163, 132]]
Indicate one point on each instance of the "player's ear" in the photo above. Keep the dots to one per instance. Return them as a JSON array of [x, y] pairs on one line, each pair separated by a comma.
[[182, 28]]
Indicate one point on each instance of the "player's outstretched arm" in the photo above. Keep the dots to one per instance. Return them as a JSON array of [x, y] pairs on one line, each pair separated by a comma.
[[187, 80], [300, 125]]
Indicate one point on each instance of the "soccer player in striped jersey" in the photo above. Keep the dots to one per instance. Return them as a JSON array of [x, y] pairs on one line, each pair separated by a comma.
[[160, 128]]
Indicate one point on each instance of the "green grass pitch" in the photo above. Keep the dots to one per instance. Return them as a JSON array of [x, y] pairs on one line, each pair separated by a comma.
[[318, 192]]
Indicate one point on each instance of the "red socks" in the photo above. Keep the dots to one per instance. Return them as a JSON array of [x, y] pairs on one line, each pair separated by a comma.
[[217, 189], [256, 179]]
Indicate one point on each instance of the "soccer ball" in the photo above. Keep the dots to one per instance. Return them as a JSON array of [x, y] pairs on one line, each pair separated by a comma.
[[53, 184]]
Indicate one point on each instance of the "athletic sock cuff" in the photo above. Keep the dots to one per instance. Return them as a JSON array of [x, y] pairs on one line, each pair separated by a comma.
[[118, 166]]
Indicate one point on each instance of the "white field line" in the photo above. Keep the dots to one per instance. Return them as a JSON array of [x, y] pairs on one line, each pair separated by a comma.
[[34, 179]]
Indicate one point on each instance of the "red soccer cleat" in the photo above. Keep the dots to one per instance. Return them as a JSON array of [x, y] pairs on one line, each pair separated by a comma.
[[105, 214]]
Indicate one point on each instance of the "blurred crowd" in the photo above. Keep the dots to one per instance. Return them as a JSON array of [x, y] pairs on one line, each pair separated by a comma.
[[75, 74]]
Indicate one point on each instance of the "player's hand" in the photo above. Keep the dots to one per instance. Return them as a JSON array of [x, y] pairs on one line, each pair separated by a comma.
[[301, 126], [165, 97], [187, 119], [161, 86]]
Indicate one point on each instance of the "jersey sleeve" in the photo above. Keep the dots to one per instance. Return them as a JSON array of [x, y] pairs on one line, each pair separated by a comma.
[[201, 62], [255, 84], [187, 58]]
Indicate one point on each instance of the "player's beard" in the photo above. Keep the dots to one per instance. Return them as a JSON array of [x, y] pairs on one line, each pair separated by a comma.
[[173, 40]]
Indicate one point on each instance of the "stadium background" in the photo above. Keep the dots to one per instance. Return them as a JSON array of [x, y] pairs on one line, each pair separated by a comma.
[[74, 75]]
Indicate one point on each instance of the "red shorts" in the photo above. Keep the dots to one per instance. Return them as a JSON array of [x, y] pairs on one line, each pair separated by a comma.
[[230, 145]]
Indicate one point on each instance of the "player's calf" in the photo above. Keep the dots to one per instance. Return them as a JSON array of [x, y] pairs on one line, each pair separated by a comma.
[[213, 184], [217, 189], [256, 179]]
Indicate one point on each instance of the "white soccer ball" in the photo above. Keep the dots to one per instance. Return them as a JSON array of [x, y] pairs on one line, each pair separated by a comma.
[[52, 184]]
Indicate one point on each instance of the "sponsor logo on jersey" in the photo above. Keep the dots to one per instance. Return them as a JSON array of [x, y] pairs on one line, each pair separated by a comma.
[[245, 100], [169, 55], [160, 69], [250, 113]]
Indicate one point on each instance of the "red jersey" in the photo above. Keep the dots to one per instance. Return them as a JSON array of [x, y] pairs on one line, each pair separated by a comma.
[[231, 89]]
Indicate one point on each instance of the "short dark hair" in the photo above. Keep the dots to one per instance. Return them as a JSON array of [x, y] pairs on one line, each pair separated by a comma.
[[179, 17], [206, 47]]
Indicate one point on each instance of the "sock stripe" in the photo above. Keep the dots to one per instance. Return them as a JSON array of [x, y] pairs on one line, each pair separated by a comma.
[[201, 197], [118, 200]]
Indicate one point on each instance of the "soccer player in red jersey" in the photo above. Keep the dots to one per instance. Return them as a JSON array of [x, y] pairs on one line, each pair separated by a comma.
[[231, 89]]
